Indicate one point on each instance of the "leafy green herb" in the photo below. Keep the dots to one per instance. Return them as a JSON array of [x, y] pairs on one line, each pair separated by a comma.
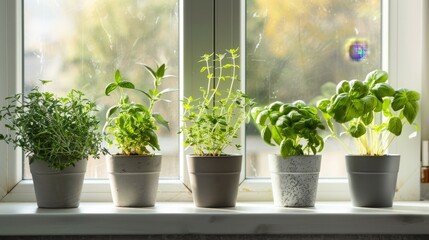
[[57, 130], [358, 105], [210, 123], [130, 125], [292, 126]]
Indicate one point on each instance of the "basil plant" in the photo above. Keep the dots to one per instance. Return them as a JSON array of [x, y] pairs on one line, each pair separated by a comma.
[[370, 111], [292, 126]]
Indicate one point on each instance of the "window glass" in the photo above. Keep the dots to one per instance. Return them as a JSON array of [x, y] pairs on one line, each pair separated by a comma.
[[80, 44], [299, 50]]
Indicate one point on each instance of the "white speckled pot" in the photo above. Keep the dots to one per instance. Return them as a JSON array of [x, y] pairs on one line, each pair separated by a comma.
[[294, 179], [134, 179]]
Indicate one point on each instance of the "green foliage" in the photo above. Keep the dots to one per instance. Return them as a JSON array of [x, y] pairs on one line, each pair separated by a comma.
[[133, 125], [357, 105], [289, 125], [58, 130], [211, 122]]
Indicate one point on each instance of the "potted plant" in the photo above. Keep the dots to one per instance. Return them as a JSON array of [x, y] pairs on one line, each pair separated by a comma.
[[295, 171], [210, 124], [134, 172], [57, 134], [373, 113]]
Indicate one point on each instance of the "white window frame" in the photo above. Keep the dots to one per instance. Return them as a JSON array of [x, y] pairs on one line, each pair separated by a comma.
[[404, 64]]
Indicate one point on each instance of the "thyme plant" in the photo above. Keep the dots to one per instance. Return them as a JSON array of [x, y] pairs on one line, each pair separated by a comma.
[[58, 130], [211, 122], [132, 126], [370, 111]]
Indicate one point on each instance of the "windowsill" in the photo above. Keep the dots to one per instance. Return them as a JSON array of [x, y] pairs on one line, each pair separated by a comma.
[[183, 218]]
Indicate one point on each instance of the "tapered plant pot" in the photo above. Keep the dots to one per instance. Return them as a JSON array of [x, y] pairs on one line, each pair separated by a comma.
[[214, 180], [294, 180], [58, 189], [372, 179], [134, 179]]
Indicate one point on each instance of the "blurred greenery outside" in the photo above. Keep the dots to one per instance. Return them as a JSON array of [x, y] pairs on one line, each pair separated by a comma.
[[294, 50]]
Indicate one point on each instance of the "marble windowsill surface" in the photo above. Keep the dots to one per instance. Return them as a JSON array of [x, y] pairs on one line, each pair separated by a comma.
[[183, 218]]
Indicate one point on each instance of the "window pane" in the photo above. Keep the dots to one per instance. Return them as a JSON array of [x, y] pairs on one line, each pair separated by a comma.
[[80, 43], [299, 50]]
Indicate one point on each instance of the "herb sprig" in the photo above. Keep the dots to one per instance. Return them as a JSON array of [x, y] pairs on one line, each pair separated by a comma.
[[210, 123]]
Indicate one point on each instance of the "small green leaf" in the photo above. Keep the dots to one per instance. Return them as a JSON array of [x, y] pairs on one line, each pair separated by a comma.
[[111, 111], [358, 89], [276, 136], [323, 105], [399, 100], [151, 71], [153, 139], [286, 146], [357, 130], [367, 118], [282, 121], [145, 93], [160, 71], [275, 106], [413, 95], [343, 87], [381, 90], [159, 119], [109, 88], [376, 76], [386, 107], [125, 84], [355, 109], [255, 112], [286, 108], [379, 106], [369, 102], [262, 118], [339, 102], [395, 126], [274, 116], [266, 135], [299, 103], [118, 77], [44, 82], [294, 115], [410, 111]]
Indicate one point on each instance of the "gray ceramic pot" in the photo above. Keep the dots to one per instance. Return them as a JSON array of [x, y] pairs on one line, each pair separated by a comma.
[[372, 179], [58, 189], [214, 180], [134, 179], [294, 180]]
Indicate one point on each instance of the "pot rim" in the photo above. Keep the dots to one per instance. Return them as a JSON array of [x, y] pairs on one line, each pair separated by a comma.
[[374, 156], [127, 156], [306, 155], [221, 156]]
